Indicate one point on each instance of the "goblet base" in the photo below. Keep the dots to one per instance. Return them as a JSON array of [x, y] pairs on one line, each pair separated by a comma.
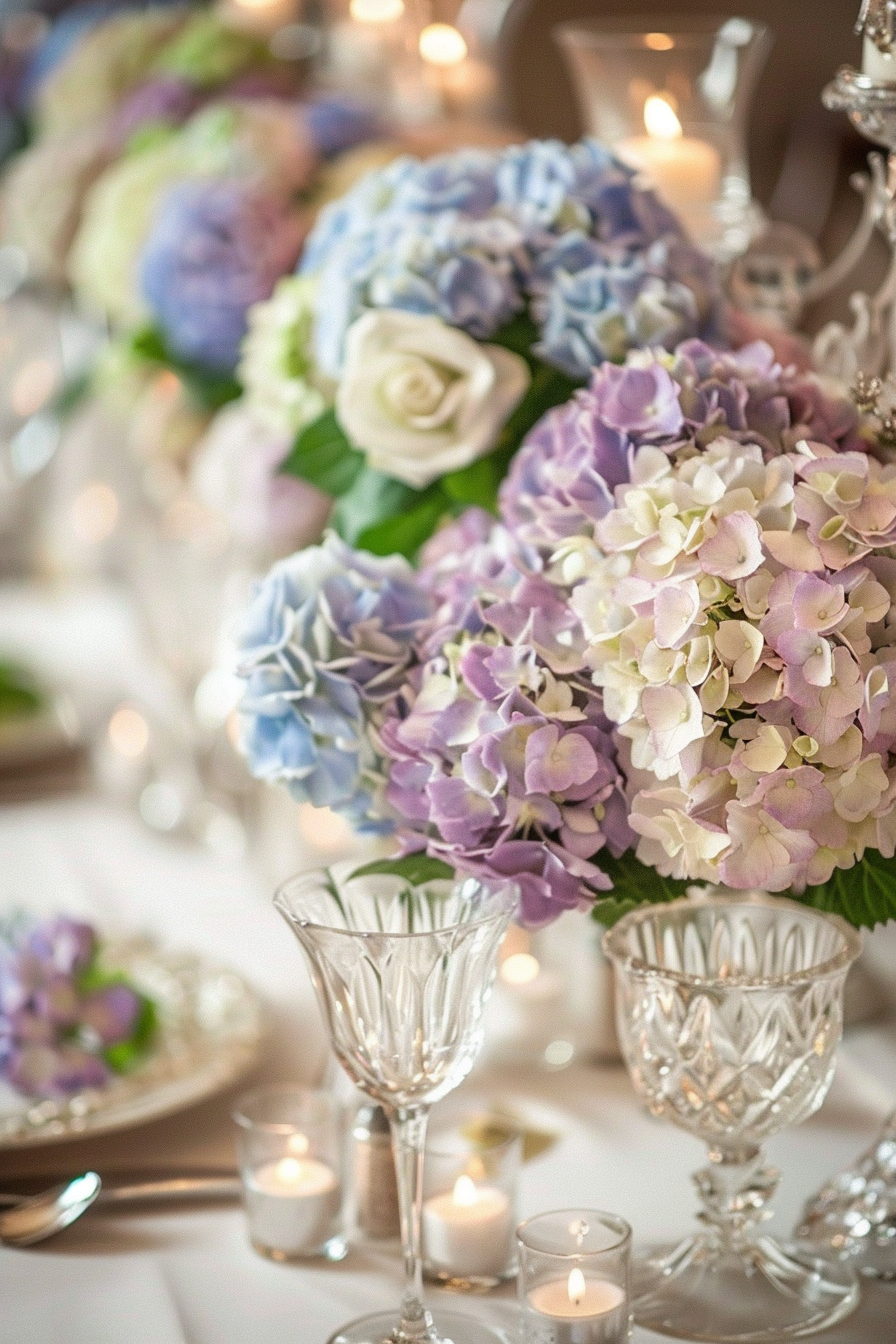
[[767, 1291], [451, 1327]]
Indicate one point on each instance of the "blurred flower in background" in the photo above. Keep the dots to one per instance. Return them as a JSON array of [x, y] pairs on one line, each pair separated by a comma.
[[216, 248]]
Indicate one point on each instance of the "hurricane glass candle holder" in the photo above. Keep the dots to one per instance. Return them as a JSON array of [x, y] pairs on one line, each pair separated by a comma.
[[671, 96], [289, 1150], [469, 1212], [574, 1278]]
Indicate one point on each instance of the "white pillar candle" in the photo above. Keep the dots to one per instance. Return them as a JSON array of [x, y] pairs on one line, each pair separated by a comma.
[[878, 65], [292, 1204], [466, 1233], [686, 171], [580, 1310]]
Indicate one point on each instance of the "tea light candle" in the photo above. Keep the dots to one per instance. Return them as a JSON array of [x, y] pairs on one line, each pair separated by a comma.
[[582, 1311], [292, 1204], [467, 1232], [878, 65], [686, 171]]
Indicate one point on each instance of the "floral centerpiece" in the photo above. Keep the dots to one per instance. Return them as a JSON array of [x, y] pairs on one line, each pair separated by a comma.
[[66, 1021], [670, 661], [444, 306]]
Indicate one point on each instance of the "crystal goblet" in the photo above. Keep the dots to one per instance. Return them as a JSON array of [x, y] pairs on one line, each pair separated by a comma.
[[402, 974], [729, 1012]]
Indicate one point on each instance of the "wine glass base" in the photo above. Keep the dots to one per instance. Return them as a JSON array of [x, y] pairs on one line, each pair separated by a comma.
[[692, 1291], [452, 1327]]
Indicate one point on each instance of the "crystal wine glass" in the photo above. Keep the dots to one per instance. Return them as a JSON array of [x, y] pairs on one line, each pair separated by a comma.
[[729, 1013], [402, 973]]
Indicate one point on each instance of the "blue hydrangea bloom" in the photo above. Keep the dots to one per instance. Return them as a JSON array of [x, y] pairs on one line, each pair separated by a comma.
[[478, 236], [339, 123], [327, 638], [216, 247]]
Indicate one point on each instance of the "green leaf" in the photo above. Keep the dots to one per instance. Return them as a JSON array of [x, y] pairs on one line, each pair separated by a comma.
[[19, 693], [476, 484], [864, 895], [323, 456], [405, 534], [634, 884], [148, 344], [520, 334], [126, 1054], [413, 868], [372, 499], [211, 390]]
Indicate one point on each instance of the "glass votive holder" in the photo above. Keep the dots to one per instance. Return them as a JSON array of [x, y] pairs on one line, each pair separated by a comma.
[[574, 1278], [671, 96], [469, 1212], [289, 1148]]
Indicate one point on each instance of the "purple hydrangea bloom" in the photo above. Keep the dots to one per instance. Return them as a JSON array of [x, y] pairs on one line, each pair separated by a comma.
[[55, 1023], [327, 639], [216, 248], [166, 100], [501, 761], [561, 482]]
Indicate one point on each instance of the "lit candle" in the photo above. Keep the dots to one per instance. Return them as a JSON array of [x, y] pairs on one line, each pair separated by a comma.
[[528, 1004], [580, 1310], [467, 1233], [292, 1204], [686, 171], [878, 65]]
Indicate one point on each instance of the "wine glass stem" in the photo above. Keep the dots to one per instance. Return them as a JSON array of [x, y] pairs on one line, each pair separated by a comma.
[[735, 1189], [409, 1141]]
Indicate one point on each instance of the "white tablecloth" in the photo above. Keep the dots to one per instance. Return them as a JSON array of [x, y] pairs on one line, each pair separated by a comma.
[[189, 1277]]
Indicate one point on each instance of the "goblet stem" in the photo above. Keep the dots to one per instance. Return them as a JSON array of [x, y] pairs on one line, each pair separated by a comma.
[[735, 1190], [409, 1142]]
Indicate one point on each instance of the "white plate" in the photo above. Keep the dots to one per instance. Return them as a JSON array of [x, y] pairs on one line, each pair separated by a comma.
[[210, 1030]]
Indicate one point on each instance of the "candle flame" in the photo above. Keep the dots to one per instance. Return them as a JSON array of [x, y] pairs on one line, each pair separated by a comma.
[[376, 11], [659, 41], [298, 1145], [576, 1286], [442, 44], [660, 119], [289, 1169], [464, 1192], [520, 968]]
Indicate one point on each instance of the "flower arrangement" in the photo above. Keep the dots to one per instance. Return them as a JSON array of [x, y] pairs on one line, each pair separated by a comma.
[[671, 661], [66, 1023], [447, 305], [108, 95]]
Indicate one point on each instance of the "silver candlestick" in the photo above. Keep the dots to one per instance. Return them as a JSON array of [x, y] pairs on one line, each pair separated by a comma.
[[868, 345], [853, 1217]]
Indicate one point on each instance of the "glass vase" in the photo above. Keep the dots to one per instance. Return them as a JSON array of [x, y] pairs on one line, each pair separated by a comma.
[[729, 1013], [671, 95], [402, 974]]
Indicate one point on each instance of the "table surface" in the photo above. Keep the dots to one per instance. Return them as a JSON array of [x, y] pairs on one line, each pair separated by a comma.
[[189, 1276], [192, 1271]]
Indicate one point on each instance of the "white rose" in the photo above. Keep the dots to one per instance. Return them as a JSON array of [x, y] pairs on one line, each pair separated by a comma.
[[422, 399]]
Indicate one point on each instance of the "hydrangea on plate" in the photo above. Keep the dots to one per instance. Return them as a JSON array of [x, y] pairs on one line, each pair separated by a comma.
[[327, 640], [731, 566], [66, 1023], [501, 758], [455, 301]]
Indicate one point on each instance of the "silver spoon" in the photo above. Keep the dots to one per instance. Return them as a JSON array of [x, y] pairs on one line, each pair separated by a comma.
[[44, 1215]]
